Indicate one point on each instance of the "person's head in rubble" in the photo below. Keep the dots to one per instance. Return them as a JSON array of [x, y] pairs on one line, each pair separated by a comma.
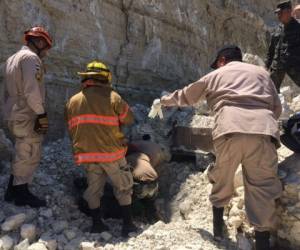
[[296, 12], [97, 73], [226, 55], [284, 12]]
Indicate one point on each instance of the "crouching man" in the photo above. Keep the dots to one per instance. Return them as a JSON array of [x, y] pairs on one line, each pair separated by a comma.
[[94, 117], [145, 158]]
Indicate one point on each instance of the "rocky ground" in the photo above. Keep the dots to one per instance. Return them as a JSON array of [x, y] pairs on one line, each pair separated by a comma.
[[61, 226], [183, 202]]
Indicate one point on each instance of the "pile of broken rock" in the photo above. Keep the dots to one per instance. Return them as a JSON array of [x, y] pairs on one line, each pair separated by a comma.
[[183, 200]]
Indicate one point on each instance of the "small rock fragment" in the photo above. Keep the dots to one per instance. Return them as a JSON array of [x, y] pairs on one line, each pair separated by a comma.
[[6, 243], [59, 226], [23, 245], [28, 231], [87, 246], [106, 236], [37, 246], [13, 222]]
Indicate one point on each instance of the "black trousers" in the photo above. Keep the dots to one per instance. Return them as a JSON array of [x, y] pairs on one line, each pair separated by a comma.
[[278, 75]]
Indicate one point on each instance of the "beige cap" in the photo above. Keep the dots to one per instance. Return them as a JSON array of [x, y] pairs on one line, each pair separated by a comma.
[[297, 7]]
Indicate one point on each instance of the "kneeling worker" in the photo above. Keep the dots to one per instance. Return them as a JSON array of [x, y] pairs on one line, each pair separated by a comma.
[[94, 117]]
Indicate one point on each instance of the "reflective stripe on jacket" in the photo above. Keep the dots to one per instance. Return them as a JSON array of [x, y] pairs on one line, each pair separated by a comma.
[[94, 117]]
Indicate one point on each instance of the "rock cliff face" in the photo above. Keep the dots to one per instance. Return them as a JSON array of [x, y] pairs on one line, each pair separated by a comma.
[[150, 45]]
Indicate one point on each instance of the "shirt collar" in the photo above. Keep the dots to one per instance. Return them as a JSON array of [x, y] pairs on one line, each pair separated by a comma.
[[25, 47]]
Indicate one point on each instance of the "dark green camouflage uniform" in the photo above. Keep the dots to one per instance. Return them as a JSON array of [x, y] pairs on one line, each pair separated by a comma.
[[284, 53]]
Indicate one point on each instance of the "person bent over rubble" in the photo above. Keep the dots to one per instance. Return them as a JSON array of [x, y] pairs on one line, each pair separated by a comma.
[[144, 158], [246, 106], [94, 117], [24, 110]]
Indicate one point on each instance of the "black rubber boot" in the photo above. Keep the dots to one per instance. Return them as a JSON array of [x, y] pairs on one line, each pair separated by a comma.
[[24, 197], [98, 225], [84, 207], [218, 223], [9, 195], [128, 226], [262, 240], [151, 213]]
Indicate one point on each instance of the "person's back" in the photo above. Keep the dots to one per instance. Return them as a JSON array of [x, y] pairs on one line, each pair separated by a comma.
[[97, 105], [94, 117], [244, 100]]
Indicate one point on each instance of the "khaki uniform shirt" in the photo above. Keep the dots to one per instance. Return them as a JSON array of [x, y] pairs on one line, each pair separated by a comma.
[[242, 96], [25, 90], [145, 160]]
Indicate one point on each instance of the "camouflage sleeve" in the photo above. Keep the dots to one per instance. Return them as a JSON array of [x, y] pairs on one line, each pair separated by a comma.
[[271, 51], [30, 67], [277, 107]]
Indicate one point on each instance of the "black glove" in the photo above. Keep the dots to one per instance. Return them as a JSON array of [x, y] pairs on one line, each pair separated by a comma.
[[41, 124]]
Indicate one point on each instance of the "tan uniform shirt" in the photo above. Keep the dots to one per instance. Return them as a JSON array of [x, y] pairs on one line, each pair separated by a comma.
[[151, 149], [146, 160], [242, 96], [25, 90]]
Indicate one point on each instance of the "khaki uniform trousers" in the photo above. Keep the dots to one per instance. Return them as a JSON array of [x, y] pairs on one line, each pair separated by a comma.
[[120, 177], [258, 156], [28, 147]]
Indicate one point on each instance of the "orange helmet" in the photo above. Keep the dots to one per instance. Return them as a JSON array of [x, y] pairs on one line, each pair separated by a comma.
[[38, 31]]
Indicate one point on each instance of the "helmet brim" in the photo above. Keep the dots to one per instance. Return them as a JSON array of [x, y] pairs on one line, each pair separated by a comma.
[[89, 74]]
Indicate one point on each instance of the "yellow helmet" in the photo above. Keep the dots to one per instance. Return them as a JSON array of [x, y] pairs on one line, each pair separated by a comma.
[[96, 70]]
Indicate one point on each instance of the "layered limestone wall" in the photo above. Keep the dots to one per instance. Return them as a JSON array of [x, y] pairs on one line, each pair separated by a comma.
[[150, 45]]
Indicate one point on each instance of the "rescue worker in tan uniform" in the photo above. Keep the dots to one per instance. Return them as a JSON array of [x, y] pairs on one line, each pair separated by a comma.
[[24, 109], [246, 107], [94, 117]]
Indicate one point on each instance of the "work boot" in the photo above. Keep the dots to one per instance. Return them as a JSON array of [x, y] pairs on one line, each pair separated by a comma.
[[128, 226], [151, 213], [98, 225], [24, 197], [262, 240], [84, 207], [9, 195], [218, 223]]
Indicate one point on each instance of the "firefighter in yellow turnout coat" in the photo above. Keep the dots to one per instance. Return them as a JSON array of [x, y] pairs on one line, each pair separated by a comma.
[[94, 118]]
